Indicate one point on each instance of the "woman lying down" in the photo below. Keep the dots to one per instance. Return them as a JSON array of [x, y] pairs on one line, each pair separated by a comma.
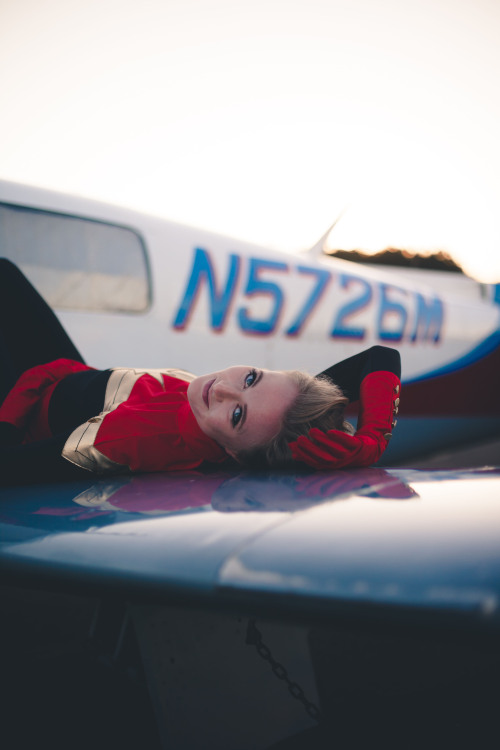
[[60, 418]]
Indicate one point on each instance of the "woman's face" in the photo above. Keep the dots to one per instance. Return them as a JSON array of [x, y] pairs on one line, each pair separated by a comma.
[[241, 407]]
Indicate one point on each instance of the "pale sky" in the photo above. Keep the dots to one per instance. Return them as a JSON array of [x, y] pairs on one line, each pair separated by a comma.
[[265, 119]]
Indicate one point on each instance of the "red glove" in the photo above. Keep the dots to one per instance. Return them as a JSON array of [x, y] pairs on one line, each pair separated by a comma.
[[379, 402]]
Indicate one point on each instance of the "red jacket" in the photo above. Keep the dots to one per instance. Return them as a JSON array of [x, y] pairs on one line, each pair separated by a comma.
[[146, 423]]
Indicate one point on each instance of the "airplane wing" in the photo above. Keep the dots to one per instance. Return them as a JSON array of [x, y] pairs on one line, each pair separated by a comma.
[[277, 607], [325, 540]]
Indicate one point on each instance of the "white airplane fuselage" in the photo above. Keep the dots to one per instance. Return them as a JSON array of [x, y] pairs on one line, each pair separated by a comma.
[[210, 301]]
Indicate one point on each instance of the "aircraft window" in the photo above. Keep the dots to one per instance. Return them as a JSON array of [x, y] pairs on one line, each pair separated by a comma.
[[76, 263]]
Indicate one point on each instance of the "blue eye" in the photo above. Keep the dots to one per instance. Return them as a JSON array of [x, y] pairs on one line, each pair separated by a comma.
[[236, 415], [250, 378]]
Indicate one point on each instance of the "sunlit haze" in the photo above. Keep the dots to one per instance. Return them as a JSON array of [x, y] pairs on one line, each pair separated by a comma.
[[267, 119]]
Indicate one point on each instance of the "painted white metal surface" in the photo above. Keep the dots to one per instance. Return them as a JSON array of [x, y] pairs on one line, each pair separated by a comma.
[[217, 301]]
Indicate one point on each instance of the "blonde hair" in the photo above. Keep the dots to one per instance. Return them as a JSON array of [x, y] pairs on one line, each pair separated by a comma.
[[319, 403]]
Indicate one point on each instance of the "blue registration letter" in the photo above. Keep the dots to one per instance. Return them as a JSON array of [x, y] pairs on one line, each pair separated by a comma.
[[392, 311], [220, 300], [257, 287], [428, 319]]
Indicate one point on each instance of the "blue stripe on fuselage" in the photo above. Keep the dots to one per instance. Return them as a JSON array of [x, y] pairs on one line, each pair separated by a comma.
[[486, 346]]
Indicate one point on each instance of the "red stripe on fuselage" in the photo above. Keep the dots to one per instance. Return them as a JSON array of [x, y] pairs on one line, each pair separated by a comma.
[[473, 390]]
